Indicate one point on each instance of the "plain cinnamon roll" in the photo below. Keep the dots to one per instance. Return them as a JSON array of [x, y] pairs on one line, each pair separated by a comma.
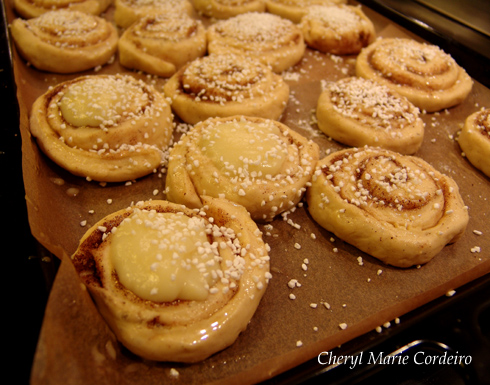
[[226, 85], [161, 44], [337, 29], [34, 8], [423, 73], [271, 39], [175, 284], [258, 163], [126, 12], [359, 112], [474, 140], [65, 41], [294, 10], [224, 9], [107, 128], [397, 208]]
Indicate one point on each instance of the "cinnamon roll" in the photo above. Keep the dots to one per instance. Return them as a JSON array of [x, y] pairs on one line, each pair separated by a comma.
[[258, 163], [421, 72], [294, 10], [359, 112], [175, 284], [395, 207], [108, 128], [161, 44], [65, 41], [337, 29], [274, 41], [34, 8], [224, 9], [226, 85], [474, 140], [126, 12]]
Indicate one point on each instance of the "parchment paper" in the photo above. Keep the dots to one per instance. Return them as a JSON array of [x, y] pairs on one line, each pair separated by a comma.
[[76, 346]]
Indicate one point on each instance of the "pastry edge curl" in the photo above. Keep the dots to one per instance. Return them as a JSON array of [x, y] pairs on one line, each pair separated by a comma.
[[475, 146]]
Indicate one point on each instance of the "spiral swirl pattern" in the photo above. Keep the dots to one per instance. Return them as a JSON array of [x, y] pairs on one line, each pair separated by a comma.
[[424, 73], [226, 85], [108, 128], [395, 207], [180, 330], [33, 8], [65, 41]]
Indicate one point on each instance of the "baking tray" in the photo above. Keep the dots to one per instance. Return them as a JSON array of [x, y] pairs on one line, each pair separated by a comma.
[[76, 346]]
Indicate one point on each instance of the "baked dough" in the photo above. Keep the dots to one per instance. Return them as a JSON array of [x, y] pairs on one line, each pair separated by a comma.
[[224, 9], [198, 286], [258, 163], [337, 29], [273, 40], [126, 12], [421, 72], [359, 112], [108, 128], [474, 140], [226, 85], [395, 207], [34, 8], [294, 10], [65, 41], [161, 44]]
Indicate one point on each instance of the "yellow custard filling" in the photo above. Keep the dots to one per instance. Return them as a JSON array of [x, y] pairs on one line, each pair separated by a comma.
[[245, 147], [100, 102], [164, 257]]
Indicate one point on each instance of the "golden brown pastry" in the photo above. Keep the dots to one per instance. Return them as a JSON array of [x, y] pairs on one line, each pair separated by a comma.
[[421, 72], [273, 40], [224, 9], [258, 163], [226, 85], [337, 29], [108, 128], [161, 44], [395, 207], [294, 10], [65, 41], [175, 284], [359, 112], [474, 140], [126, 12], [34, 8]]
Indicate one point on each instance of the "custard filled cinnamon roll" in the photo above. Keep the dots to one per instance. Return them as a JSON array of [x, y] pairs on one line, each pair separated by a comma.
[[474, 140], [423, 73], [395, 207], [175, 284], [127, 12], [109, 128], [294, 10], [224, 9], [358, 112], [34, 8], [258, 163], [337, 29], [65, 41], [222, 85], [271, 39], [161, 44]]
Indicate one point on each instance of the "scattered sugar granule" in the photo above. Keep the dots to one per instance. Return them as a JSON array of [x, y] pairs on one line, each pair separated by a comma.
[[379, 272], [327, 305], [109, 201], [379, 329], [360, 261], [83, 223], [450, 293], [476, 249], [477, 232], [313, 305], [343, 326], [387, 325], [174, 372], [297, 246], [293, 283], [299, 343], [292, 296]]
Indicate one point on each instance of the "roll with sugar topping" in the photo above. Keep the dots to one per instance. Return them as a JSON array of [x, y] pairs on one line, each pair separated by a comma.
[[258, 163], [34, 8], [294, 10], [64, 41], [397, 208], [108, 128], [175, 284]]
